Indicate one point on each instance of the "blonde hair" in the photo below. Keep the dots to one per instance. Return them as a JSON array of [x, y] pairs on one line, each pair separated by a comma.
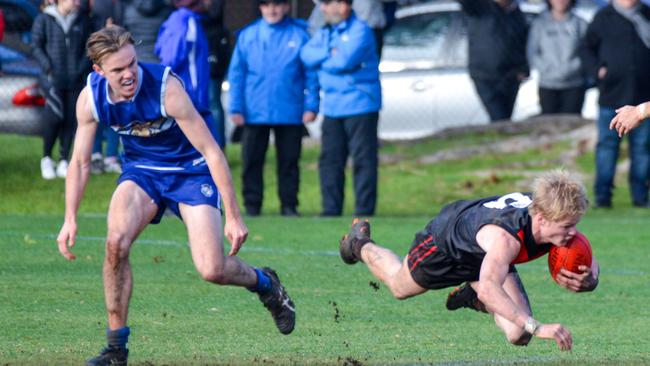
[[107, 41], [558, 196]]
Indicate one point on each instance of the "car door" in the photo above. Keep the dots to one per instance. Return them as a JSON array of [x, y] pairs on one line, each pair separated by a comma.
[[21, 105], [456, 101], [414, 48]]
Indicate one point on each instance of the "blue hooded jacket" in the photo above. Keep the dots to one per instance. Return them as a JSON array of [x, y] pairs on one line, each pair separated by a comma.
[[183, 46], [268, 82], [348, 67]]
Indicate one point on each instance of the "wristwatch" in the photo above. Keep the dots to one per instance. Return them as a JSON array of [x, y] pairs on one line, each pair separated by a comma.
[[531, 325]]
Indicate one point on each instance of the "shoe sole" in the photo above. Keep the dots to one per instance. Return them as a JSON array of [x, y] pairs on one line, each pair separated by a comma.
[[346, 250]]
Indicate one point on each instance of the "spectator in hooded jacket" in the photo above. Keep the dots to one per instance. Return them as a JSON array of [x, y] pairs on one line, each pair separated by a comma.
[[59, 37], [497, 33], [344, 53], [183, 46], [617, 53], [270, 89], [553, 49]]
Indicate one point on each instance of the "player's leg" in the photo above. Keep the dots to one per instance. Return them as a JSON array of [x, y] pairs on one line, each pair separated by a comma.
[[387, 267], [203, 224], [130, 210], [465, 296], [515, 290], [383, 263]]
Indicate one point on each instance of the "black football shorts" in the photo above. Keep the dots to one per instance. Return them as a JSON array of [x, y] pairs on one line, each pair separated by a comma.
[[432, 269]]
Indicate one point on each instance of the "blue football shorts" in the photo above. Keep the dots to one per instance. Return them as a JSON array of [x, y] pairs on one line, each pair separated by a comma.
[[168, 189]]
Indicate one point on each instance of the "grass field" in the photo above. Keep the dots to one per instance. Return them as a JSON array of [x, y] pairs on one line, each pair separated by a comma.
[[52, 312]]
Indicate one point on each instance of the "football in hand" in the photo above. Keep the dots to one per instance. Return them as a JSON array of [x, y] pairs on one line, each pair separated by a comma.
[[575, 253]]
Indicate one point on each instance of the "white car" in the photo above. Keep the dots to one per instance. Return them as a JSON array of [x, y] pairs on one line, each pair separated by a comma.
[[21, 105], [425, 81]]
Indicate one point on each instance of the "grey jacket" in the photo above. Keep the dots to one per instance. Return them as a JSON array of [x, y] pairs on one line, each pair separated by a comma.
[[553, 49]]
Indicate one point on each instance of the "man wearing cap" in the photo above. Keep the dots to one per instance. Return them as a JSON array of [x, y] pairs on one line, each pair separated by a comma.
[[343, 52], [270, 89]]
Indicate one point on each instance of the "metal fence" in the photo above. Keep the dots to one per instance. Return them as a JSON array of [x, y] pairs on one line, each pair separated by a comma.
[[425, 81]]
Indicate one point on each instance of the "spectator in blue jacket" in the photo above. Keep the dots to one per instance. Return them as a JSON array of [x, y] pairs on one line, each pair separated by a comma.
[[343, 52], [270, 89], [183, 46]]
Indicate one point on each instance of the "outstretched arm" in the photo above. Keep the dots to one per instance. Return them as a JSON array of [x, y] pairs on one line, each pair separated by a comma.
[[501, 249], [78, 172], [179, 106]]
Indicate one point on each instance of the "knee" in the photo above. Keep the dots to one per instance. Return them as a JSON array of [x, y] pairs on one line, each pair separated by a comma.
[[399, 295], [519, 337], [117, 247], [214, 274]]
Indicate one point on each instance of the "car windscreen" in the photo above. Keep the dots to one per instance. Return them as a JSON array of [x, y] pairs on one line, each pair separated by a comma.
[[426, 38]]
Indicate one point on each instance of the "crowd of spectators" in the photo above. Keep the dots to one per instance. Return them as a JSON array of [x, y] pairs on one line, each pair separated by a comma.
[[336, 54]]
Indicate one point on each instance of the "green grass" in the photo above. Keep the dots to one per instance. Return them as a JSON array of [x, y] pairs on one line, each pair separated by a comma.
[[52, 312]]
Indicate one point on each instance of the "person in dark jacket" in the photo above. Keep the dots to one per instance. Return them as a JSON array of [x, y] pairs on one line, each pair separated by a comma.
[[497, 33], [59, 37], [143, 18], [271, 89], [616, 52], [218, 58], [104, 12]]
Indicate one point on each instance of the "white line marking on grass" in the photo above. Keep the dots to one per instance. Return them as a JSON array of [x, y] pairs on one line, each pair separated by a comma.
[[177, 244], [253, 249]]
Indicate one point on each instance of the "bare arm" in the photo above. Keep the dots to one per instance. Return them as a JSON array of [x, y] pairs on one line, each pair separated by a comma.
[[501, 249], [180, 107], [78, 172]]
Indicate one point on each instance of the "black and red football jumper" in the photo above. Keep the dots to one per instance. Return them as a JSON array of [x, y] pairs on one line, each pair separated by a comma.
[[446, 253]]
